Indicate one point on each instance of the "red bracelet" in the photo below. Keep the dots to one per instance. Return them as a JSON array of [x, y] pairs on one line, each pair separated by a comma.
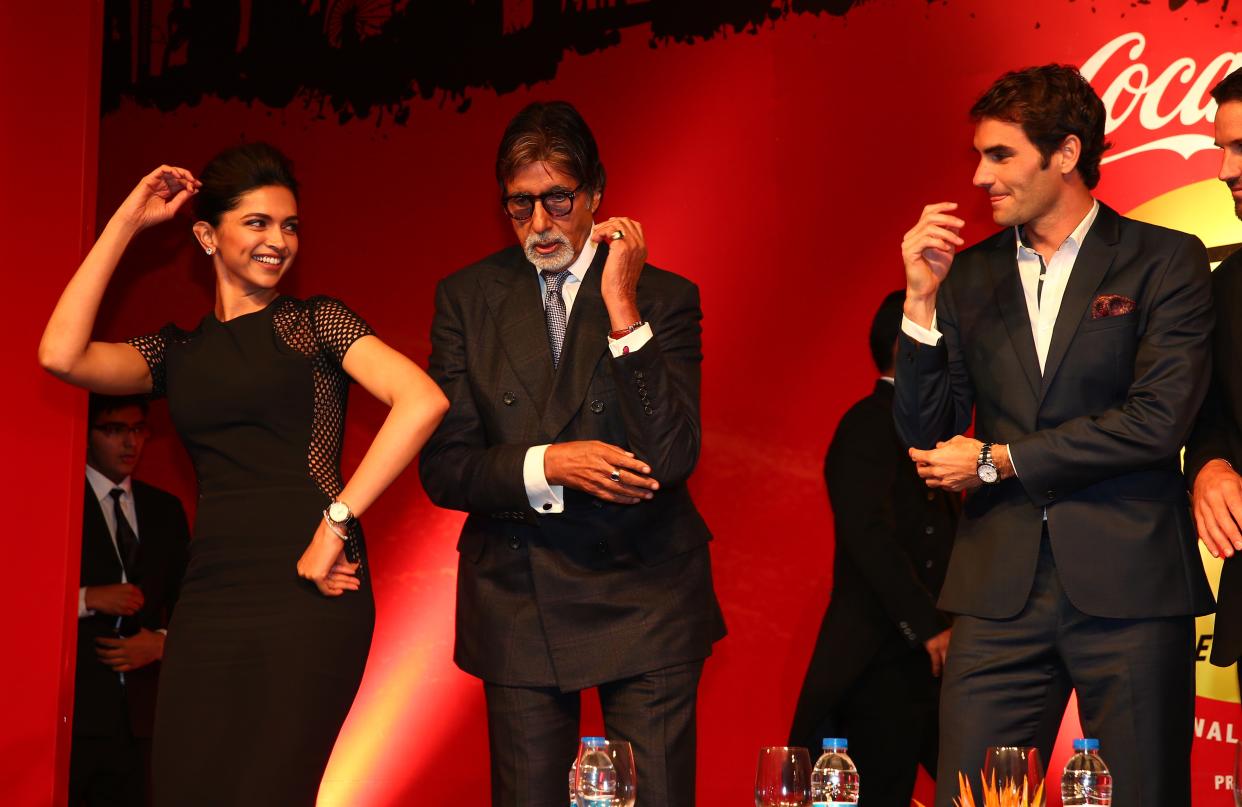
[[624, 332]]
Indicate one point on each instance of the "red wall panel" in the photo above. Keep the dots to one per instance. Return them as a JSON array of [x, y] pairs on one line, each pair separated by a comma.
[[49, 124]]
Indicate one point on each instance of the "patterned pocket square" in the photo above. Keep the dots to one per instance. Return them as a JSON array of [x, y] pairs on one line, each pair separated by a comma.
[[1111, 305]]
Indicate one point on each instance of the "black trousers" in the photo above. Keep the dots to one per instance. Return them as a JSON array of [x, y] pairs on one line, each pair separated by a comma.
[[1007, 682], [109, 771], [888, 714], [533, 737]]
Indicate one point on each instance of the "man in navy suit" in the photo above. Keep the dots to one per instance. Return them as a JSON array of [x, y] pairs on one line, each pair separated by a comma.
[[1076, 342], [134, 543]]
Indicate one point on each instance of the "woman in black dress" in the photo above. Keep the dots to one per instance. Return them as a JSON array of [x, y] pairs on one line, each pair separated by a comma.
[[269, 638]]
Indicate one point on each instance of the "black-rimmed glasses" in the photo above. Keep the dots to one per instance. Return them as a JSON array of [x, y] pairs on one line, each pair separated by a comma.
[[558, 204], [118, 429]]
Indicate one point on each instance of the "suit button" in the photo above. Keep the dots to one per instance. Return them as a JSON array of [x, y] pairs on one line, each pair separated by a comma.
[[929, 564], [547, 505], [602, 547], [638, 373], [509, 398], [1052, 494], [929, 530], [515, 542], [597, 406], [647, 409], [931, 496]]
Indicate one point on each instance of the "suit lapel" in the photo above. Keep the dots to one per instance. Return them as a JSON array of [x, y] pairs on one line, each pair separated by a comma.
[[512, 295], [586, 340], [1095, 257], [1003, 265]]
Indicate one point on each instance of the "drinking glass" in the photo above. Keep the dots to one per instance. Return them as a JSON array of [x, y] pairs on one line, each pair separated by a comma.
[[1009, 767], [783, 778], [593, 791]]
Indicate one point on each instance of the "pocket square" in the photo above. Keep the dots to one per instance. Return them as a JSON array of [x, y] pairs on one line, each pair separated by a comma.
[[1111, 305]]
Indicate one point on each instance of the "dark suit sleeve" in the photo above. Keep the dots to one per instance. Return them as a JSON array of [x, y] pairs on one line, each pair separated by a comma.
[[1215, 433], [658, 389], [934, 398], [459, 469], [1171, 371], [861, 471]]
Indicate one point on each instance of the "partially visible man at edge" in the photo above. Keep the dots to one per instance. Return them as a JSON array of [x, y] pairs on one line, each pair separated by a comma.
[[1215, 447]]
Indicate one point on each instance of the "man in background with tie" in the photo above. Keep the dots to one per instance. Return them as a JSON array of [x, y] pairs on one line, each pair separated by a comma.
[[134, 543], [572, 368]]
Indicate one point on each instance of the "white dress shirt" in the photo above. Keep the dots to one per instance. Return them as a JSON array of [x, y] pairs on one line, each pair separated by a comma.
[[550, 499], [102, 487], [1041, 308]]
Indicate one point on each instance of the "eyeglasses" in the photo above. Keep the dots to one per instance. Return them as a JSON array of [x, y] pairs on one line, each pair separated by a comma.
[[558, 204], [118, 429]]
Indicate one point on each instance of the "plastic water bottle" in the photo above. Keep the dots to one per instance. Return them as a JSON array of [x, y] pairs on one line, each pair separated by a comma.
[[596, 775], [1086, 780], [834, 780]]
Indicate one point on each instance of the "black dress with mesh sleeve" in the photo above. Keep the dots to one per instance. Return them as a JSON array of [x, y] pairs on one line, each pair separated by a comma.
[[259, 668]]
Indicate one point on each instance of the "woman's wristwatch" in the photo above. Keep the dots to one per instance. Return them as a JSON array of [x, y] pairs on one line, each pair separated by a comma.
[[337, 516]]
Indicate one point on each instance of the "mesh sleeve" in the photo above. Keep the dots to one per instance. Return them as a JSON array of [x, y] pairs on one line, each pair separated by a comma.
[[336, 327], [152, 348]]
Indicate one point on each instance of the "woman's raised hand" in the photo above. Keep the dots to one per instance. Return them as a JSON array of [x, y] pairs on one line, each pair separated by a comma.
[[159, 196]]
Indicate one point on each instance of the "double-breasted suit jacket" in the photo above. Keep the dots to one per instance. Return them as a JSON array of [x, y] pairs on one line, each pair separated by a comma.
[[601, 591], [1095, 439]]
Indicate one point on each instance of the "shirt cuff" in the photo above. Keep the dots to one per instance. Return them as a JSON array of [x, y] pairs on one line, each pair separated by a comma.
[[1012, 462], [631, 342], [83, 611], [926, 336], [544, 498]]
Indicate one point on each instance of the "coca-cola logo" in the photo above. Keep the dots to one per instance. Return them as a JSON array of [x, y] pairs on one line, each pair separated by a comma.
[[1138, 97]]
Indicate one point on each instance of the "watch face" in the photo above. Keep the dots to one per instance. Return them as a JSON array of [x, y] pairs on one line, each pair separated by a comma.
[[988, 473], [338, 512]]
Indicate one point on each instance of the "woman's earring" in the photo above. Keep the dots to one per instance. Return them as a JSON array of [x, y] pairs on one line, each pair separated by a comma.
[[211, 250]]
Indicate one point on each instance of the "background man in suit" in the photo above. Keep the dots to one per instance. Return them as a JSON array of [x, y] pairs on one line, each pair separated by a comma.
[[1215, 446], [572, 368], [134, 543], [874, 673], [1078, 341]]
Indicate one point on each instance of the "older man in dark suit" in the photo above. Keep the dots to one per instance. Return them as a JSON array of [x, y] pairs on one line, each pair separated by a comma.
[[134, 543], [1077, 342], [572, 368], [873, 676]]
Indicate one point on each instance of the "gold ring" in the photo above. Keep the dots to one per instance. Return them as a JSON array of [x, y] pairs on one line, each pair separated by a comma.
[[617, 235]]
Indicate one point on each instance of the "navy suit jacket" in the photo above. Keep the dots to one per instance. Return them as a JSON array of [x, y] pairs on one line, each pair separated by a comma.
[[1095, 438]]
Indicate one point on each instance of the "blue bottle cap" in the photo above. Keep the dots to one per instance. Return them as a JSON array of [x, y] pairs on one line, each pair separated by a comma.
[[1086, 744], [593, 742], [836, 742]]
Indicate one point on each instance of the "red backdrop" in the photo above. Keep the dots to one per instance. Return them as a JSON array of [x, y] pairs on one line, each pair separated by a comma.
[[776, 165]]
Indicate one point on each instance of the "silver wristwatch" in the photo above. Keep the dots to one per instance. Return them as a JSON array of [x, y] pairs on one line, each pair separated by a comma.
[[339, 513], [987, 466]]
